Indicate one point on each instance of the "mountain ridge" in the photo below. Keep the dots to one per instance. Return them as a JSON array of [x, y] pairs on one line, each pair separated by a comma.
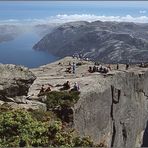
[[108, 42]]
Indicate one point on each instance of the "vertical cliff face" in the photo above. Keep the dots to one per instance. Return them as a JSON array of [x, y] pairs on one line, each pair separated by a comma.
[[114, 110]]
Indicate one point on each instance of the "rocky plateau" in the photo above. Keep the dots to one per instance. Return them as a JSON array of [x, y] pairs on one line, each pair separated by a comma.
[[112, 109]]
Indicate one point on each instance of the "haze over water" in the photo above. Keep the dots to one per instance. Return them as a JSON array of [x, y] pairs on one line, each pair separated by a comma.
[[19, 51]]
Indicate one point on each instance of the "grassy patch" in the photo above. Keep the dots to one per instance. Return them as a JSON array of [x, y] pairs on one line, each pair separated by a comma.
[[5, 107], [42, 115]]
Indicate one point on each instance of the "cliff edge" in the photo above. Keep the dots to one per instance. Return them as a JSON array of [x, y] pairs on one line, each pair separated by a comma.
[[112, 108]]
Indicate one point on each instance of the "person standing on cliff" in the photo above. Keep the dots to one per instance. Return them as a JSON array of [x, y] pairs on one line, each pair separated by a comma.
[[127, 66], [117, 66], [74, 68]]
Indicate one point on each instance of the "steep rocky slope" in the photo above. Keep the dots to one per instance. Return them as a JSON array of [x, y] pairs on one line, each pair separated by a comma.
[[113, 107], [108, 42]]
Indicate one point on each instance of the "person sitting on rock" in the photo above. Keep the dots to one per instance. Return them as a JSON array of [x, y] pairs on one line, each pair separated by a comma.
[[75, 87], [68, 70], [48, 89], [42, 90], [100, 69], [103, 70], [66, 85], [90, 69], [94, 69], [106, 70]]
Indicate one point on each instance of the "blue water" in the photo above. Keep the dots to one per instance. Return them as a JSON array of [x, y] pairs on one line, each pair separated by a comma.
[[20, 52]]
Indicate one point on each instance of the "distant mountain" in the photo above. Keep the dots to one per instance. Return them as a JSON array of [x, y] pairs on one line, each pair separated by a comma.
[[108, 42], [8, 32], [43, 29]]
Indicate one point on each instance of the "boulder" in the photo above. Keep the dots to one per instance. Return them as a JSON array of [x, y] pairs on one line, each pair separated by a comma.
[[20, 99], [1, 102], [14, 80], [35, 105]]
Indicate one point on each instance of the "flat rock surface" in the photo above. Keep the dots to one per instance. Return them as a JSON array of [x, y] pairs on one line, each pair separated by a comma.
[[55, 74]]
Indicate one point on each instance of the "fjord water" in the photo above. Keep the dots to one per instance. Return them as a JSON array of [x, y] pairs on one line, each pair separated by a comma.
[[19, 51]]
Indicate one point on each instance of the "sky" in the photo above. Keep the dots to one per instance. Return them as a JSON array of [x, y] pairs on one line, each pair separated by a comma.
[[40, 12]]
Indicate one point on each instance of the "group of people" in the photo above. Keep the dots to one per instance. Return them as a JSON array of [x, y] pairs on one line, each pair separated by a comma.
[[44, 90], [80, 57], [66, 86], [100, 69], [72, 68], [143, 65]]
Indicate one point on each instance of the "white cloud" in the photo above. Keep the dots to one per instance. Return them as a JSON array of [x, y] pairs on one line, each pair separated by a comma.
[[142, 11], [63, 18]]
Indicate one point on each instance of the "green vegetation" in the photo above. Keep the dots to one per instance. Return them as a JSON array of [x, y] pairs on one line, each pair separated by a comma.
[[26, 128], [60, 103], [62, 98], [42, 116], [20, 128]]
